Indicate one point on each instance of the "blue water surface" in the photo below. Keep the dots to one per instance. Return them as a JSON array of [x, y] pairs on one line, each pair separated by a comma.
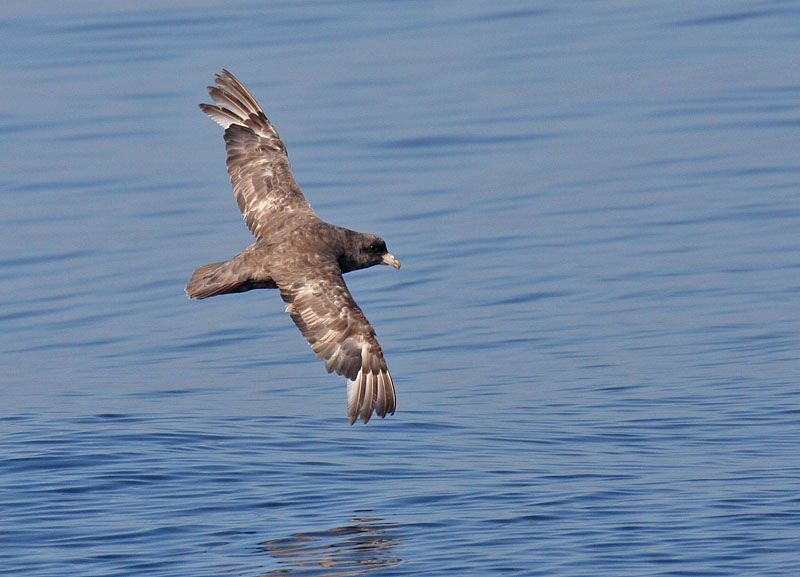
[[594, 335]]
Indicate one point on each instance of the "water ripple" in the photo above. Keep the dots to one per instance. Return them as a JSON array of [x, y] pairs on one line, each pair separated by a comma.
[[593, 336]]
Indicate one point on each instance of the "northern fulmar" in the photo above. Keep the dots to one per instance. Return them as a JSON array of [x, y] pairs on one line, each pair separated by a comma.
[[296, 252]]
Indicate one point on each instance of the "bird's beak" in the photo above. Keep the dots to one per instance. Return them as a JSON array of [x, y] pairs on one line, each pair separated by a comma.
[[390, 260]]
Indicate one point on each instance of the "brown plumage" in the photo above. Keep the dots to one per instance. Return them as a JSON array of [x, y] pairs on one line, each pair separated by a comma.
[[297, 252]]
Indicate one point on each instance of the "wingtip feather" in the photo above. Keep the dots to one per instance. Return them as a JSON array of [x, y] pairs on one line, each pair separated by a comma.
[[373, 392]]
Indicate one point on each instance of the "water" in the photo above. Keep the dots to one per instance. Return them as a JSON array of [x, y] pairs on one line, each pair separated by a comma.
[[594, 335]]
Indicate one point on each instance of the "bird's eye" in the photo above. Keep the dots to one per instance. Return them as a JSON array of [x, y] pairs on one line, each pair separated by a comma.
[[374, 247]]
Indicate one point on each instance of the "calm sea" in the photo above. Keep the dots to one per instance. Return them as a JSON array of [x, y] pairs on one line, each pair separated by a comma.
[[595, 336]]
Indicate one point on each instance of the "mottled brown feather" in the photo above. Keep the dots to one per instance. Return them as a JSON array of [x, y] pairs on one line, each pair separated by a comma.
[[258, 165], [337, 330]]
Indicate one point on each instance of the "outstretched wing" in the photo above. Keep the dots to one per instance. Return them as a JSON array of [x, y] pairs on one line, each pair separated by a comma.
[[337, 330], [258, 165]]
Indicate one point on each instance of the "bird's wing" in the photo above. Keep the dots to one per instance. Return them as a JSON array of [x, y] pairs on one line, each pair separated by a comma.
[[258, 165], [328, 316]]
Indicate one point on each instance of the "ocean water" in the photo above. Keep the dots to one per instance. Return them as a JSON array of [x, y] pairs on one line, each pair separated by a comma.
[[594, 336]]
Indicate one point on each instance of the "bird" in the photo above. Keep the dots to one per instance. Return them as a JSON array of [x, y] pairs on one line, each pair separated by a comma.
[[296, 252]]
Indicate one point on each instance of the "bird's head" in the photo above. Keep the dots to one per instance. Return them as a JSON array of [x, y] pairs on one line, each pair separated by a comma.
[[365, 250]]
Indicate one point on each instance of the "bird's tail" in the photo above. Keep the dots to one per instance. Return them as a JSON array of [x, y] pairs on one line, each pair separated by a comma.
[[209, 280], [230, 276]]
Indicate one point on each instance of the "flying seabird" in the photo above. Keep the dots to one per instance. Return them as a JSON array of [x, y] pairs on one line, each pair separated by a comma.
[[296, 252]]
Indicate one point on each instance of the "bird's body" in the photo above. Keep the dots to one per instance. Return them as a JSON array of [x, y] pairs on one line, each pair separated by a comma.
[[297, 252]]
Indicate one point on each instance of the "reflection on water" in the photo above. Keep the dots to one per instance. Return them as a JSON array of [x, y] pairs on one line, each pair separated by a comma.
[[360, 548]]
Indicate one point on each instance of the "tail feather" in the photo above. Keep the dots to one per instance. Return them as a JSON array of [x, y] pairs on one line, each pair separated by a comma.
[[223, 278], [208, 281]]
